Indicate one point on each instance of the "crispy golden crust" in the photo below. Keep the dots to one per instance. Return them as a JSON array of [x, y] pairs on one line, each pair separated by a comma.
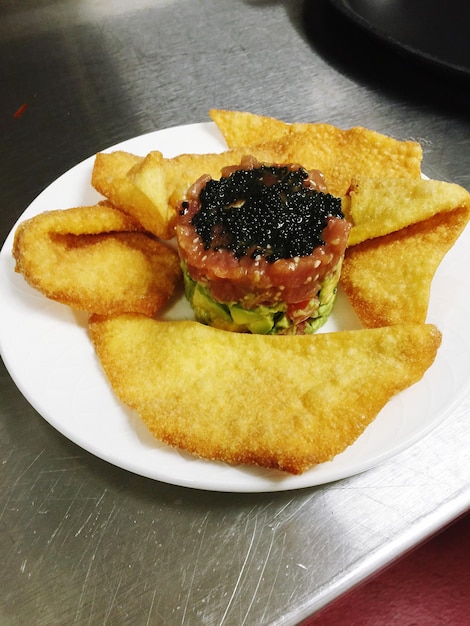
[[278, 402], [343, 155], [241, 128], [113, 177], [96, 259], [388, 279]]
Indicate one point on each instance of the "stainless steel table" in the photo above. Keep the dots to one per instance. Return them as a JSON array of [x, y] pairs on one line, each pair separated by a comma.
[[83, 542]]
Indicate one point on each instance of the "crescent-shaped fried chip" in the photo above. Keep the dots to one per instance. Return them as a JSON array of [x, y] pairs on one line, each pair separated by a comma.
[[96, 259], [388, 279], [279, 402]]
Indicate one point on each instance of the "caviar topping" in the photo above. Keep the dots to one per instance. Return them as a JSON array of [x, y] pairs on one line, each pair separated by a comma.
[[269, 211]]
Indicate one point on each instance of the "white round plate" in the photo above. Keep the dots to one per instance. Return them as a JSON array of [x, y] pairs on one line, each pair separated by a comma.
[[46, 349]]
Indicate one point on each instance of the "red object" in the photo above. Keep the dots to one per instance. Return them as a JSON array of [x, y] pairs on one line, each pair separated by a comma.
[[430, 586], [19, 112]]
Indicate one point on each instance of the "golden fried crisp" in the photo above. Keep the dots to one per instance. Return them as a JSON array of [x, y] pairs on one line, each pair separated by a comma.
[[345, 155], [378, 206], [388, 279], [279, 402], [340, 154], [96, 259], [109, 175], [112, 178], [149, 176], [240, 128], [165, 181]]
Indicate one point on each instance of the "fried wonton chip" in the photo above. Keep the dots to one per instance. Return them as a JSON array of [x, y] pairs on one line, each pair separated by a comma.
[[279, 402], [96, 259], [240, 128], [110, 177], [149, 176], [378, 206], [388, 279], [340, 154], [345, 155], [165, 181]]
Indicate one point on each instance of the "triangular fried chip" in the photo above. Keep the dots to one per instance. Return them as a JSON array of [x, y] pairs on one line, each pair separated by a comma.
[[149, 176], [388, 279], [96, 259], [379, 206], [340, 154], [240, 128], [109, 175], [165, 181], [279, 402], [343, 155], [110, 178]]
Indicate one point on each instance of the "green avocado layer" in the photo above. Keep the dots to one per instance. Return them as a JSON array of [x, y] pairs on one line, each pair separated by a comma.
[[263, 320]]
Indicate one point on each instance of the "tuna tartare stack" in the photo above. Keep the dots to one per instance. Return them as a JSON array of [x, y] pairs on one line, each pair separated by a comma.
[[262, 248]]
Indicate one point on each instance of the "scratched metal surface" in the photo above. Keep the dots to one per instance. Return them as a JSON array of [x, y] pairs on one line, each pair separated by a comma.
[[83, 542]]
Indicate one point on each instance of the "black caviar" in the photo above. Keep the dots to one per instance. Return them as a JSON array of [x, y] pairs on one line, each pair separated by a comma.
[[265, 211]]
